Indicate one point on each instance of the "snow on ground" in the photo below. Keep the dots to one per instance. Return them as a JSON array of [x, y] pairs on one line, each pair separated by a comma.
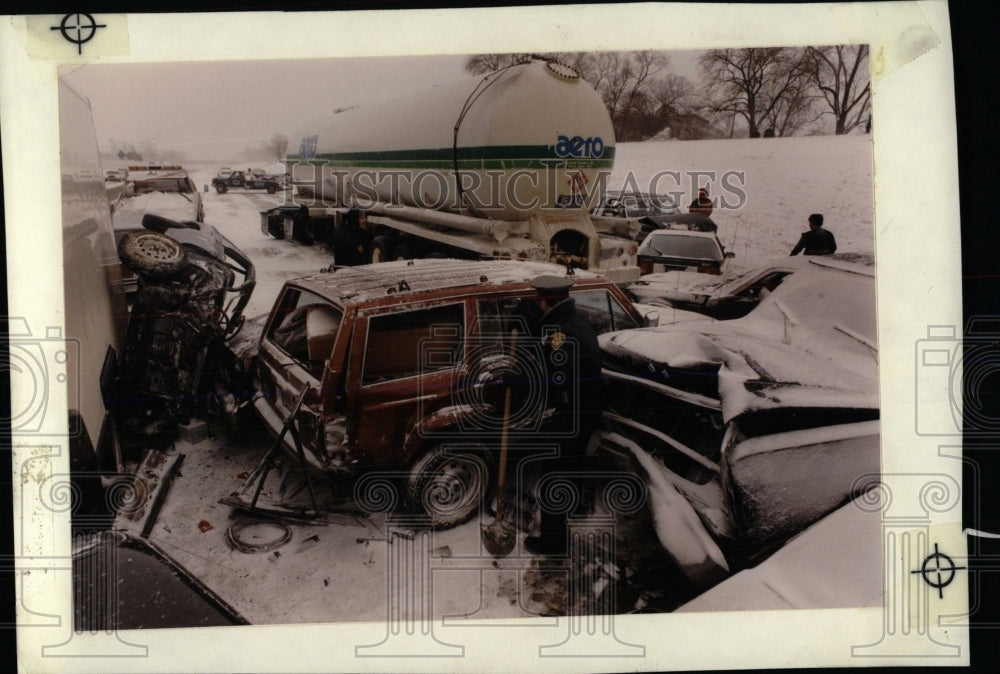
[[784, 180], [237, 215]]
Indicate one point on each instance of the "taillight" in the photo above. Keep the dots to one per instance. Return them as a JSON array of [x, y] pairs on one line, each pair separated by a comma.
[[633, 250], [645, 267]]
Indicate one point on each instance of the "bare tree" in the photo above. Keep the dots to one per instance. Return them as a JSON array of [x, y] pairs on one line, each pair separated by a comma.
[[674, 93], [841, 75], [278, 146], [752, 83], [637, 87], [482, 64], [628, 83]]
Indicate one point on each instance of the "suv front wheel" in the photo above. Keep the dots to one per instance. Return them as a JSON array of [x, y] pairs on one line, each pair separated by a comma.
[[448, 483]]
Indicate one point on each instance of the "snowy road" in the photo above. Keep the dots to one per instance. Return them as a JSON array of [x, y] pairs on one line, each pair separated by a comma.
[[350, 571]]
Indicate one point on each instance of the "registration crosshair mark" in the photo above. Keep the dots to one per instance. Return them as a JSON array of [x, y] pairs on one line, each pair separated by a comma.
[[943, 575], [78, 28]]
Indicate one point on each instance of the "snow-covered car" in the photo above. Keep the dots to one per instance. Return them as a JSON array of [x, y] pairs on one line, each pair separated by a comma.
[[725, 299], [683, 242], [116, 175], [750, 429], [635, 205], [390, 366]]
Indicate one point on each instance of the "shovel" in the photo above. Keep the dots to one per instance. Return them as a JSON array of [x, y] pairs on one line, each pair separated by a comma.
[[500, 536]]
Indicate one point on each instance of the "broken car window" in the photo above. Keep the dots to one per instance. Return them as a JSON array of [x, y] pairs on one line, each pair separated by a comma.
[[414, 343], [307, 329]]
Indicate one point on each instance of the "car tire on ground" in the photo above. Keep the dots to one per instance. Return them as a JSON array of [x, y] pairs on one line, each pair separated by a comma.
[[220, 188], [449, 482], [271, 189], [380, 249], [153, 255]]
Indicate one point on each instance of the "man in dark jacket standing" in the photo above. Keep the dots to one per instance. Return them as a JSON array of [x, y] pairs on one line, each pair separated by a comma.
[[817, 241], [574, 388]]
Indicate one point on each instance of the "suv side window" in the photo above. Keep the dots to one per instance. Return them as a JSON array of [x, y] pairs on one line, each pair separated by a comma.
[[306, 329], [414, 343], [603, 310]]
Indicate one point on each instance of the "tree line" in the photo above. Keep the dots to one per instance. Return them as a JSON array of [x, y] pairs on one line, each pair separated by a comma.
[[778, 91]]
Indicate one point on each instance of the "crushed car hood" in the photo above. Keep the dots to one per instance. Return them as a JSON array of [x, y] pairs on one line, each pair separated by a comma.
[[812, 345], [686, 286]]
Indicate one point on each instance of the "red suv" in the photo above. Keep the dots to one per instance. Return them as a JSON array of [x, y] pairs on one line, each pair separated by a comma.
[[394, 363]]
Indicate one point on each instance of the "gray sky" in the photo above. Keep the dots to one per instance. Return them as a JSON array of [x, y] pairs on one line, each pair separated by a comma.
[[216, 109]]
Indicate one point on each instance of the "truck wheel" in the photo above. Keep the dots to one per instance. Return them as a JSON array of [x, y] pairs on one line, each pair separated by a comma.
[[153, 255], [221, 189], [403, 251], [380, 249], [448, 483], [271, 189], [300, 232], [275, 228]]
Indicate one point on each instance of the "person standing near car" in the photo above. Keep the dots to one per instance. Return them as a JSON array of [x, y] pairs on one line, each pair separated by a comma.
[[702, 204], [817, 241], [571, 361]]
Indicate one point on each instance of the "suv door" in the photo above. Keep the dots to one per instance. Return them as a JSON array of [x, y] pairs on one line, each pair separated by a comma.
[[405, 362], [294, 352]]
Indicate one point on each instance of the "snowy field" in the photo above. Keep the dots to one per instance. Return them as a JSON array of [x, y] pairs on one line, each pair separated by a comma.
[[786, 179]]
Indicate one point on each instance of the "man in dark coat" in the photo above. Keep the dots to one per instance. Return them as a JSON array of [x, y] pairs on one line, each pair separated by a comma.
[[572, 365], [702, 203], [817, 241]]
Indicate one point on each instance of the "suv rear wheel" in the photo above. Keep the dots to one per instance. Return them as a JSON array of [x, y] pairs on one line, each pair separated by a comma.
[[448, 483]]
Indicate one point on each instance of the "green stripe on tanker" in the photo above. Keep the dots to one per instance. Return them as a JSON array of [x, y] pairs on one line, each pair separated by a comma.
[[533, 137]]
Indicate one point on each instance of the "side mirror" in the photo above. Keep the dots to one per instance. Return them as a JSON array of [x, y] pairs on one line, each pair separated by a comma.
[[651, 319]]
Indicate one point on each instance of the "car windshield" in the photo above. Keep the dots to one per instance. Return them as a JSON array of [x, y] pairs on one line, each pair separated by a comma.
[[681, 245]]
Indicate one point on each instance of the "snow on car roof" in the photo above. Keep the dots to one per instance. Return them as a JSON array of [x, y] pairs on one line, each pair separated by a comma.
[[363, 283], [128, 211], [810, 343]]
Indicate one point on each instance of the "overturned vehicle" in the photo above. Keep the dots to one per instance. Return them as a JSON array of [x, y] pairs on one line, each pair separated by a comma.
[[193, 284], [749, 430]]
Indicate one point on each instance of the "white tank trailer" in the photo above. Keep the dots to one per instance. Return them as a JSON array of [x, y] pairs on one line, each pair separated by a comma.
[[502, 166]]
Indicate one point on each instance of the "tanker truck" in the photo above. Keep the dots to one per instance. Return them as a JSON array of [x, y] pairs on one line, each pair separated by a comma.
[[505, 166]]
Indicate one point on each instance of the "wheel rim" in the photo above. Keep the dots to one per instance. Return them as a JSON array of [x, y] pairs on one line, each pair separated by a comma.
[[454, 488], [158, 248]]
